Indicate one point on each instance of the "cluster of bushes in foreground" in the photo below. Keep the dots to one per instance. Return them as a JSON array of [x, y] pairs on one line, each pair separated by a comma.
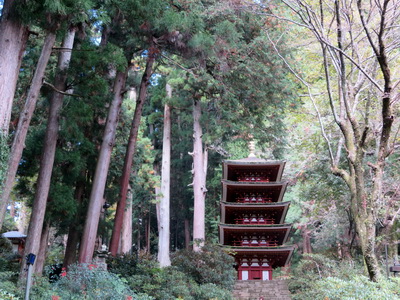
[[318, 277], [197, 276], [205, 275]]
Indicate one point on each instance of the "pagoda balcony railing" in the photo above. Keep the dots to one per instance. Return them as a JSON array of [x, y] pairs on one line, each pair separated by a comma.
[[253, 199], [254, 221], [255, 243], [252, 176]]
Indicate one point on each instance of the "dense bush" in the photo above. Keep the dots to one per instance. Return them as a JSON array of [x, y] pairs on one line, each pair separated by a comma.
[[211, 265], [193, 276], [85, 282], [358, 288], [318, 277], [8, 288], [9, 261]]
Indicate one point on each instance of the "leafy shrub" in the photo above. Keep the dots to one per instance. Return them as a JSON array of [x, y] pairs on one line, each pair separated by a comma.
[[318, 277], [211, 291], [211, 265], [9, 261], [85, 282], [8, 287], [182, 280], [359, 288], [4, 295]]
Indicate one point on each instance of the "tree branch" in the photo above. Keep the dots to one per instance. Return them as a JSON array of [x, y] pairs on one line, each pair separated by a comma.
[[60, 92]]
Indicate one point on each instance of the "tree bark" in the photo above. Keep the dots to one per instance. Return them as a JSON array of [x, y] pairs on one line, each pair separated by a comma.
[[24, 121], [305, 233], [164, 233], [96, 196], [41, 257], [13, 39], [126, 231], [73, 239], [199, 180], [47, 159], [130, 151]]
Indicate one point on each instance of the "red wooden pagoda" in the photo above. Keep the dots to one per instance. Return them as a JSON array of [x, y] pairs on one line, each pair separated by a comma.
[[252, 217]]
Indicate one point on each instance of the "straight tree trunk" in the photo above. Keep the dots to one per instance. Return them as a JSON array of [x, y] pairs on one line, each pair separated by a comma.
[[41, 257], [199, 180], [24, 121], [13, 39], [47, 159], [130, 151], [164, 233], [96, 196], [306, 240], [70, 256], [126, 232]]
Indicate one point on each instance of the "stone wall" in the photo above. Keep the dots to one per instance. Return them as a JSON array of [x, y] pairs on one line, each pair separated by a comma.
[[261, 290]]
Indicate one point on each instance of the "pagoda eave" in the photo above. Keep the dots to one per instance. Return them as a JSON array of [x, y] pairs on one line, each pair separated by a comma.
[[278, 256], [274, 190], [279, 231], [279, 209]]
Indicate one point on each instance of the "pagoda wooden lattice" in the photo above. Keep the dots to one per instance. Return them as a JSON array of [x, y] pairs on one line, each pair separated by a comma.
[[253, 215]]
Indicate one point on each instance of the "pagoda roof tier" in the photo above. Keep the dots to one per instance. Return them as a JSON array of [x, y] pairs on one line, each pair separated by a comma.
[[271, 213], [252, 192], [276, 256], [233, 234], [270, 170]]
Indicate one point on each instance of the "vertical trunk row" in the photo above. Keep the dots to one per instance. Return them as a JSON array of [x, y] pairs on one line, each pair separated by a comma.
[[130, 151], [164, 233], [47, 159], [199, 180], [96, 196], [24, 121]]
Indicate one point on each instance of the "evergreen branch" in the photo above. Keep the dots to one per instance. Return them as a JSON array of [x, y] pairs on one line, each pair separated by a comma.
[[60, 92], [178, 65]]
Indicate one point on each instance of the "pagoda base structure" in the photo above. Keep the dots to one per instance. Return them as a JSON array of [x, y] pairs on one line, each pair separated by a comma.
[[252, 224]]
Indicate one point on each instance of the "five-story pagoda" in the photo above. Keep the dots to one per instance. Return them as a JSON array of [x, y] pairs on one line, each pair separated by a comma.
[[253, 217]]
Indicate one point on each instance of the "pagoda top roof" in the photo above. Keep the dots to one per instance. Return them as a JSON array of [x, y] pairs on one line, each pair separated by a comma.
[[257, 205], [253, 160]]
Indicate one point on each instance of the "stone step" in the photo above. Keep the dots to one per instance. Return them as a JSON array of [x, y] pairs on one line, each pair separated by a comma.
[[258, 289]]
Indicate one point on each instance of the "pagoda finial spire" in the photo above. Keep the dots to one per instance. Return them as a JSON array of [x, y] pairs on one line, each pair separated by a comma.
[[252, 149]]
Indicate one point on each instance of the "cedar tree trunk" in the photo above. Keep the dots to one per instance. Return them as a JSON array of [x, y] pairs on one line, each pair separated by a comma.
[[164, 233], [24, 121], [49, 150], [199, 180], [130, 151], [96, 196], [13, 39]]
